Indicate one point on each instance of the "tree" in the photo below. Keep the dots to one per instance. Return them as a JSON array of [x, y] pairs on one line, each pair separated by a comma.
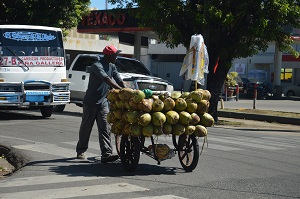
[[64, 14], [231, 29]]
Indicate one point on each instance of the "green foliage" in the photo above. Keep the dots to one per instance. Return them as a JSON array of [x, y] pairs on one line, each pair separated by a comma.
[[64, 14], [230, 79]]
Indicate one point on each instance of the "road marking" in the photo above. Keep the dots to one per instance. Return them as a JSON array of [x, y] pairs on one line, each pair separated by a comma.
[[230, 141], [161, 197], [264, 142], [70, 192], [51, 149], [48, 179]]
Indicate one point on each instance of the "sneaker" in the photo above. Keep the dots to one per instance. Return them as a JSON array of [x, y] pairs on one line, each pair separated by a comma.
[[109, 158], [80, 156]]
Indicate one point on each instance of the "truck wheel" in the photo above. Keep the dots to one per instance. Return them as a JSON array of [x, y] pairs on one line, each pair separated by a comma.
[[46, 111], [59, 108]]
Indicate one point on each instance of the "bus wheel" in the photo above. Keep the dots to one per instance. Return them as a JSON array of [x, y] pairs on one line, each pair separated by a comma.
[[46, 111]]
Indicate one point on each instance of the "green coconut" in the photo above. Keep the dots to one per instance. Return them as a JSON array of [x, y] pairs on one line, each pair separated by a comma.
[[200, 131], [180, 104], [115, 94], [132, 116], [167, 128], [191, 106], [206, 120], [172, 117], [136, 130], [147, 130], [184, 118], [157, 105], [113, 106], [189, 130], [202, 107], [120, 104], [175, 94], [110, 117], [185, 95], [110, 96], [178, 129], [144, 118], [126, 94], [169, 104], [196, 95], [206, 95], [138, 96], [119, 124], [145, 105], [133, 105], [157, 130], [118, 114], [158, 118], [127, 129], [195, 118]]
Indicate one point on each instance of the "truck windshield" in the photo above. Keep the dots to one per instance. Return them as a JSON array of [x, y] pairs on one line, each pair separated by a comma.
[[131, 66], [34, 47]]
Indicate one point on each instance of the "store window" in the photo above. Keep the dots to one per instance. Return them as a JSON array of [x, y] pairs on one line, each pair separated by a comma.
[[286, 75]]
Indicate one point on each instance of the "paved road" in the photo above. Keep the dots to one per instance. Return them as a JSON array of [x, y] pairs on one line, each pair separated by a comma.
[[238, 163]]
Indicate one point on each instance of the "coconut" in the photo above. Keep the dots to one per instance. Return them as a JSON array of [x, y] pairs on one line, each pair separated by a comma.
[[180, 104], [157, 130], [145, 105], [115, 130], [132, 116], [136, 130], [147, 130], [185, 95], [157, 105], [175, 94], [191, 106], [138, 96], [155, 97], [172, 117], [125, 94], [126, 103], [206, 95], [184, 118], [167, 128], [144, 118], [133, 105], [195, 119], [200, 131], [119, 124], [178, 129], [115, 94], [110, 96], [206, 120], [196, 95], [202, 107], [113, 106], [120, 104], [127, 129], [189, 130], [118, 113], [110, 117], [158, 118], [169, 104]]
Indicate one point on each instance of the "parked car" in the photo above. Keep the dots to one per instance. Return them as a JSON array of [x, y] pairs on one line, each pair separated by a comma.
[[293, 90], [249, 87]]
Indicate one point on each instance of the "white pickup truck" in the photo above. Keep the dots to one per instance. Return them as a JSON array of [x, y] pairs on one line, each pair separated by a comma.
[[133, 72]]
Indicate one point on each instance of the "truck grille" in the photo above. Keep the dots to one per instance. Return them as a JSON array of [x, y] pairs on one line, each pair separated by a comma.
[[151, 86]]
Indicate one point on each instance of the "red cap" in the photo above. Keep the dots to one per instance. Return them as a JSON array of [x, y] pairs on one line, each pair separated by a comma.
[[109, 50]]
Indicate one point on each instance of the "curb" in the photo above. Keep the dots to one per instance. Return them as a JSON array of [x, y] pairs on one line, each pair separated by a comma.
[[267, 118]]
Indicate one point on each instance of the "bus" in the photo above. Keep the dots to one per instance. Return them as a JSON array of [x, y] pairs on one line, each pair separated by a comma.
[[32, 68]]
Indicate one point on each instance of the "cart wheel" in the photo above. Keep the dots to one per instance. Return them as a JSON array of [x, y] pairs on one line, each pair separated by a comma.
[[118, 143], [130, 152], [188, 152]]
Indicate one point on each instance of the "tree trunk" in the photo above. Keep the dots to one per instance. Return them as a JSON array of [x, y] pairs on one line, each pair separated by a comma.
[[215, 82]]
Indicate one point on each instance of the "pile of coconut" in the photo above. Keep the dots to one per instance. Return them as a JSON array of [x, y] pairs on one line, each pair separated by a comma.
[[131, 112]]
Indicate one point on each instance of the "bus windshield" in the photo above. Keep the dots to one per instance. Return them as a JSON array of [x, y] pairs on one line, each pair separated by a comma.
[[33, 46]]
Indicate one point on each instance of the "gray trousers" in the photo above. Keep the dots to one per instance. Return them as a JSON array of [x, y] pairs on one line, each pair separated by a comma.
[[91, 113]]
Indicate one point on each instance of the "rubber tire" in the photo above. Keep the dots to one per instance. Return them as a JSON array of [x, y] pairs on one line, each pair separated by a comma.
[[46, 111], [59, 108], [130, 148], [290, 93], [188, 152]]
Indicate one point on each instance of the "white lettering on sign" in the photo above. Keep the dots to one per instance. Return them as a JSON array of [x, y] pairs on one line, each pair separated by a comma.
[[28, 36], [32, 61]]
